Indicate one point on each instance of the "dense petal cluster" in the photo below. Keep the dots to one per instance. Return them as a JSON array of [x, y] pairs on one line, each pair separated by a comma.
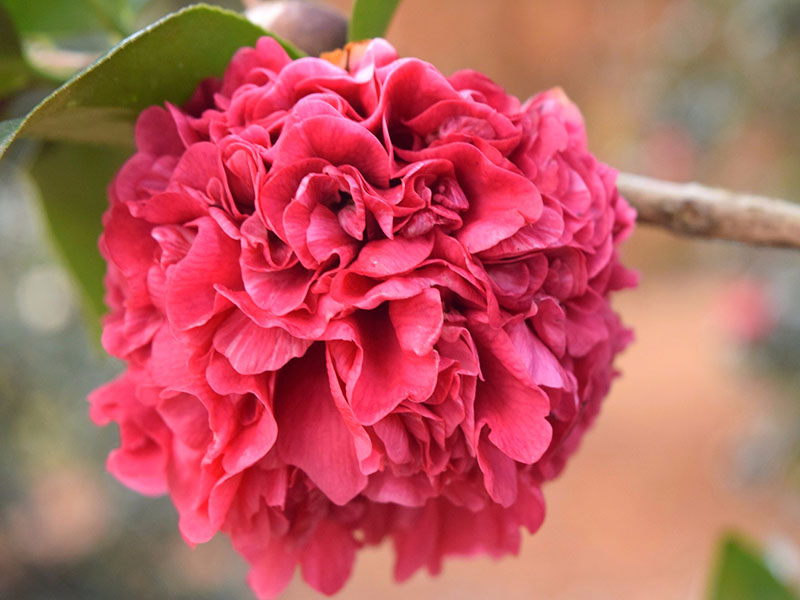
[[358, 304]]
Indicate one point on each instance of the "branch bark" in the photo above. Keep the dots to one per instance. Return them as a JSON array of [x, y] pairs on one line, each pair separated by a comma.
[[712, 213]]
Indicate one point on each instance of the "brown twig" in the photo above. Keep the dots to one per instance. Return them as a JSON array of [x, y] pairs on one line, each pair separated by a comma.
[[712, 213]]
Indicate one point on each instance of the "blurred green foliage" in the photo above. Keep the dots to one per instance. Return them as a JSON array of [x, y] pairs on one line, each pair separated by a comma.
[[14, 72], [72, 180], [57, 19], [741, 574], [370, 18]]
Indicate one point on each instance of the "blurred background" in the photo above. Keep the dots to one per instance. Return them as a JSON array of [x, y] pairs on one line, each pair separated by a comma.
[[701, 434]]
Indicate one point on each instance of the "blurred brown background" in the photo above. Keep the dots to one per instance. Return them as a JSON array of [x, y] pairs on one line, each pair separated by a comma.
[[697, 437]]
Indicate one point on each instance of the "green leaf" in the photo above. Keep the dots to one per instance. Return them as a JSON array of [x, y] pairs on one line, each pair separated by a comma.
[[14, 72], [161, 63], [73, 201], [742, 575], [370, 19], [98, 107]]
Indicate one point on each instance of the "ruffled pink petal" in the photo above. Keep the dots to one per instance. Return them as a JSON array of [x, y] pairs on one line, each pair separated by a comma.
[[383, 258], [415, 541], [278, 190], [303, 403], [327, 559], [186, 416], [337, 355], [535, 359], [385, 375], [515, 411], [252, 349], [337, 140], [406, 491], [278, 292], [156, 133], [499, 472], [141, 460], [418, 321], [272, 571], [213, 260]]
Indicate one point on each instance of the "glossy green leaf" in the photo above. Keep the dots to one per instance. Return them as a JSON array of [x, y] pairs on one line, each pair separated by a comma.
[[14, 72], [73, 201], [163, 62], [742, 575], [370, 18]]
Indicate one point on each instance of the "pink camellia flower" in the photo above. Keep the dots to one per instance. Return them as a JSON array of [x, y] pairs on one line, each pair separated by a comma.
[[358, 304]]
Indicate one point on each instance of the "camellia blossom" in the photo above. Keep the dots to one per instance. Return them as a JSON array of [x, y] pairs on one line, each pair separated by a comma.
[[358, 303]]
